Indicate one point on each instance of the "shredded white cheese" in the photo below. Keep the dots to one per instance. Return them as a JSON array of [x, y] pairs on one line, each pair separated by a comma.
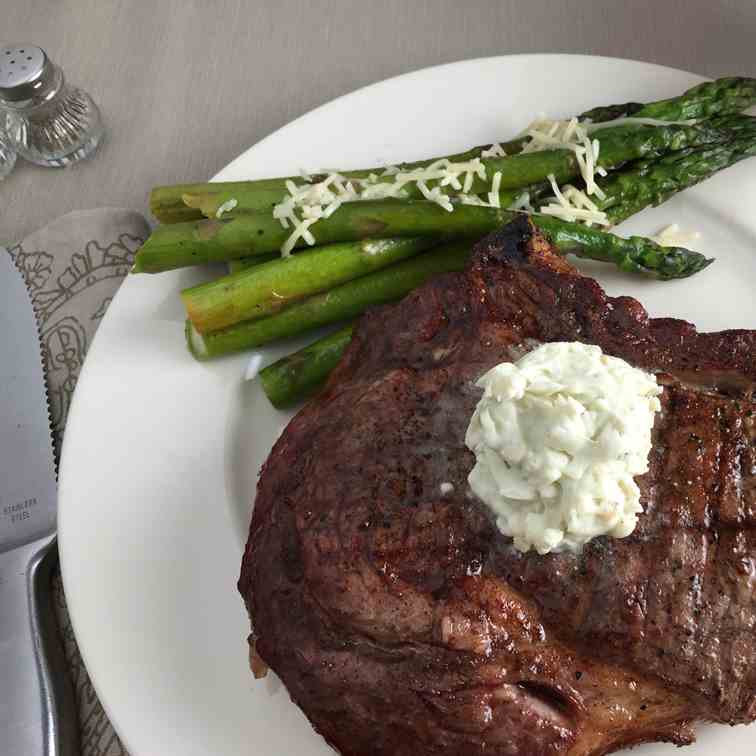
[[573, 205], [226, 207], [434, 195], [550, 134], [674, 236], [546, 134], [494, 198], [307, 203]]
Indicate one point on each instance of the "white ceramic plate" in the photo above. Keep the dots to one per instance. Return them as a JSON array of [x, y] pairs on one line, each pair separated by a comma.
[[162, 453]]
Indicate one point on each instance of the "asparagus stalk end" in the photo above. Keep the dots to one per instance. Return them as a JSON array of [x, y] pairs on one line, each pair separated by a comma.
[[297, 376], [195, 342]]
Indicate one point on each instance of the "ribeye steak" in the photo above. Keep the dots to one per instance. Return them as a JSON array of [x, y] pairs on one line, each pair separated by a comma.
[[404, 624]]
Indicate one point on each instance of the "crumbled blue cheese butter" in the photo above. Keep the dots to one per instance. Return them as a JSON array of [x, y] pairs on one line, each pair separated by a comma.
[[557, 437]]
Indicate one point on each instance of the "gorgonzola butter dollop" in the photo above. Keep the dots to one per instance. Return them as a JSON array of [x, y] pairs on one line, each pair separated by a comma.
[[558, 437]]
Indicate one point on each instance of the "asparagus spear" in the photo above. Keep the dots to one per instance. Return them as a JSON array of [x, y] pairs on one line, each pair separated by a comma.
[[296, 376], [268, 288], [649, 183], [721, 97], [618, 145], [182, 202], [634, 254], [340, 303], [186, 202], [181, 244], [177, 203], [174, 246]]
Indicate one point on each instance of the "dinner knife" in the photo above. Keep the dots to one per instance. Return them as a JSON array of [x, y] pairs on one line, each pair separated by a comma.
[[37, 710]]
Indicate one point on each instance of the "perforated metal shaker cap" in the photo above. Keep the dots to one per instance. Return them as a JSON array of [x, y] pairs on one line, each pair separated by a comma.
[[25, 70]]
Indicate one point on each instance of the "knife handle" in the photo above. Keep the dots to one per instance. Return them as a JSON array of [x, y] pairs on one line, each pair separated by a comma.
[[37, 705]]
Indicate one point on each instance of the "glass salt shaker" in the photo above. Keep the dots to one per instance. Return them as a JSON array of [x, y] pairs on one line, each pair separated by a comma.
[[7, 153], [48, 122]]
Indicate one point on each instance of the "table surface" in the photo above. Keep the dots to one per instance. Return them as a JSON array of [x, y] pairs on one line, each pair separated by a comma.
[[186, 85]]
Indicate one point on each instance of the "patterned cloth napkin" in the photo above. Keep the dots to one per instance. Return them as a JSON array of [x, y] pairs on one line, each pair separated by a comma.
[[73, 267]]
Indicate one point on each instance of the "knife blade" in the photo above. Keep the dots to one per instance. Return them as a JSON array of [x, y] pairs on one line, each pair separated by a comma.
[[28, 490], [37, 714]]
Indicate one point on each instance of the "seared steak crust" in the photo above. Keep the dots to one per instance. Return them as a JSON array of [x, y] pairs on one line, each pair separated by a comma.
[[403, 623]]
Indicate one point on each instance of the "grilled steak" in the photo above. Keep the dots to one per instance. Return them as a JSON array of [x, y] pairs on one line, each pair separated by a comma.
[[404, 624]]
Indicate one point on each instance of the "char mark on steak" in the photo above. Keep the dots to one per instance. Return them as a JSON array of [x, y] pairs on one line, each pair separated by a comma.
[[404, 624]]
